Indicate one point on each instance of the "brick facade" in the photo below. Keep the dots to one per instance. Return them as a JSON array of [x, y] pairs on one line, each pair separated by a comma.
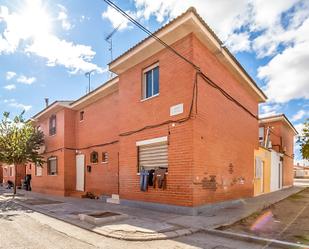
[[210, 155]]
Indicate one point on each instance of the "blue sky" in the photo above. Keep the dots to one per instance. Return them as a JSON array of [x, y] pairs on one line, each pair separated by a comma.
[[47, 46]]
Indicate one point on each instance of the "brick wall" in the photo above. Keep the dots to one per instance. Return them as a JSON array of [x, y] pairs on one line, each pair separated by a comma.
[[225, 136]]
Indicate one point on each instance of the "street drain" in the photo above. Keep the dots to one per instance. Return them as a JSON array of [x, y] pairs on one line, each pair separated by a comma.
[[102, 217]]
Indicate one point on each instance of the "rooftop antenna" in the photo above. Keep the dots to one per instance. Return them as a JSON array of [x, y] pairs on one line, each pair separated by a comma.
[[88, 75], [109, 40]]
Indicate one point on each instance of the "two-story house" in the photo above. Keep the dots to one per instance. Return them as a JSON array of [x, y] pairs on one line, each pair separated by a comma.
[[274, 159], [174, 130]]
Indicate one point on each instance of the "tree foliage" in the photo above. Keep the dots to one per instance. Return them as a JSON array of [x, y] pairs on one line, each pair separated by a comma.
[[20, 142], [304, 140]]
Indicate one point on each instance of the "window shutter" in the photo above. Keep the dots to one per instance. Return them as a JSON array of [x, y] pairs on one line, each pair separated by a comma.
[[153, 156]]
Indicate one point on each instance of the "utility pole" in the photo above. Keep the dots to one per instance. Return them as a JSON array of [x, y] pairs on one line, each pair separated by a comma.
[[109, 40], [88, 75]]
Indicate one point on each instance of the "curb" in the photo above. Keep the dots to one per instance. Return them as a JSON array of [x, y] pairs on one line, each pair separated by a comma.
[[260, 240], [117, 234]]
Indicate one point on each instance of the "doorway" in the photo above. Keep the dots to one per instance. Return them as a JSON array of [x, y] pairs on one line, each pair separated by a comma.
[[80, 172]]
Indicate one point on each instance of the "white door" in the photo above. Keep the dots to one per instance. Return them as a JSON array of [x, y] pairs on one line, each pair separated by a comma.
[[280, 175], [262, 176], [80, 172]]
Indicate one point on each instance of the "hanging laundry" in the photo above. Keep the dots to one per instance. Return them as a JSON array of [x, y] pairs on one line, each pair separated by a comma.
[[160, 178], [144, 177], [151, 177]]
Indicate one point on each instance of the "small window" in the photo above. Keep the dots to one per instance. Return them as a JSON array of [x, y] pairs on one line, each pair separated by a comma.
[[11, 171], [104, 157], [81, 116], [52, 166], [52, 125], [151, 81], [94, 157], [261, 135], [38, 170], [259, 164]]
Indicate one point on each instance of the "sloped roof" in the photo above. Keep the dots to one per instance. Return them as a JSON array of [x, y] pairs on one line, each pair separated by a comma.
[[160, 32], [278, 117]]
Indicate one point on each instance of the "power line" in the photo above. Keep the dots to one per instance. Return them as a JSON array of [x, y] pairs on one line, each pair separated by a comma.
[[197, 68]]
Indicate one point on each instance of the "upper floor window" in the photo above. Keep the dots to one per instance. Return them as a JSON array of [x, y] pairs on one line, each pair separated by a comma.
[[151, 81], [81, 116], [52, 125], [52, 166]]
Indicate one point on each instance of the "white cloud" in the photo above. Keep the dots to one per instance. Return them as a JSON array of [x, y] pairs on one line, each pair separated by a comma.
[[10, 87], [268, 109], [30, 31], [116, 18], [10, 75], [60, 52], [63, 18], [15, 104], [26, 80], [287, 74], [299, 115]]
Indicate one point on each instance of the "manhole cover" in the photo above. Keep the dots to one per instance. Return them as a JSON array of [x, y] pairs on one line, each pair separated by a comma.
[[40, 202], [103, 214]]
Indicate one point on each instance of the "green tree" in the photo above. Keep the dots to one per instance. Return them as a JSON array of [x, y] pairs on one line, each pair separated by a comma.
[[20, 142], [304, 140]]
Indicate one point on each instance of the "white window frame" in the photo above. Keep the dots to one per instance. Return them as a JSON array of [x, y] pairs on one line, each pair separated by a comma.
[[48, 167], [144, 82], [36, 170]]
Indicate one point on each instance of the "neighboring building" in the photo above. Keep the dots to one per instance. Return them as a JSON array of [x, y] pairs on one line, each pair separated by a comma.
[[274, 159], [8, 174], [152, 116], [301, 171]]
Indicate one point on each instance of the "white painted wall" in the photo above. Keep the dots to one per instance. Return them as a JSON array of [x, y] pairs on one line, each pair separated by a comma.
[[275, 171]]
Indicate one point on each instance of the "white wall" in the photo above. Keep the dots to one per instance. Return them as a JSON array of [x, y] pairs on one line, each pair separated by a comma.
[[274, 171]]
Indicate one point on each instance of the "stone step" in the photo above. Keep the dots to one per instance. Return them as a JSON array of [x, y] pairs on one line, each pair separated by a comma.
[[114, 200]]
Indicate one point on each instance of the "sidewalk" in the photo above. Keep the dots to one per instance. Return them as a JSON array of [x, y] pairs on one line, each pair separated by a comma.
[[143, 224]]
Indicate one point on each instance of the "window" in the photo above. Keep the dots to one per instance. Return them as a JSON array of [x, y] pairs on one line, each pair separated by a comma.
[[261, 135], [94, 157], [104, 157], [38, 170], [11, 171], [153, 154], [5, 173], [259, 164], [81, 116], [52, 125], [151, 81], [52, 166]]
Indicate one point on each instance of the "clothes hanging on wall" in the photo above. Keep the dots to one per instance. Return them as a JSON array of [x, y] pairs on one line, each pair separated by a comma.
[[144, 177], [151, 177], [160, 178]]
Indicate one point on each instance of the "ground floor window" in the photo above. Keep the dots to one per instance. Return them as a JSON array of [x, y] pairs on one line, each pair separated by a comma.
[[153, 154], [11, 171], [38, 170], [52, 166]]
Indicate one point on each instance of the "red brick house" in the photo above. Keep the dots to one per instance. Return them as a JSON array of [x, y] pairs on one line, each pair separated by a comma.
[[277, 134], [158, 112]]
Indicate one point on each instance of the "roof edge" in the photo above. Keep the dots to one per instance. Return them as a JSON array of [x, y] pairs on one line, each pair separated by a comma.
[[282, 116]]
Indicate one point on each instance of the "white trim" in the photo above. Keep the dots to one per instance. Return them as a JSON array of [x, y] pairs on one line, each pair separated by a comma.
[[277, 118], [150, 67], [151, 141], [151, 97]]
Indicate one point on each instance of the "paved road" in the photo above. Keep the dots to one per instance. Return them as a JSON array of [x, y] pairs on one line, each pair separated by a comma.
[[22, 228]]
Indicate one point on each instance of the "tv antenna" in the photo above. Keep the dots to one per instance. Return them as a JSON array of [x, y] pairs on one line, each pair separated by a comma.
[[109, 40], [88, 75]]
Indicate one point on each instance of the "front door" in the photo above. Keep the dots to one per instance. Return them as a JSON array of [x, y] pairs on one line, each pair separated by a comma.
[[80, 172], [280, 176]]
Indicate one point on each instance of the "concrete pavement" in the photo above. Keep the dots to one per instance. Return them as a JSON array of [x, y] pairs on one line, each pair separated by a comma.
[[142, 224], [22, 228]]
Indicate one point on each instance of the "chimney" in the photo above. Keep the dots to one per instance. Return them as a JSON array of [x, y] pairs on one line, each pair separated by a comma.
[[46, 102]]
